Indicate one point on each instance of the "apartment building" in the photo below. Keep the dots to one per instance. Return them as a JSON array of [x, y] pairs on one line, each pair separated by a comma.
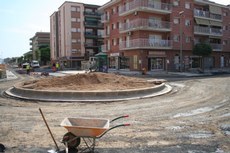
[[75, 33], [154, 34], [38, 40]]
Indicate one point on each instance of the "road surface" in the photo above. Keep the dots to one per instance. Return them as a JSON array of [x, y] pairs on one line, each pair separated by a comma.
[[193, 118]]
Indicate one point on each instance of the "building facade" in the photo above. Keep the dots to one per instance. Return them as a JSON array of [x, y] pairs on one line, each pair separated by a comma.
[[75, 33], [155, 34], [40, 39]]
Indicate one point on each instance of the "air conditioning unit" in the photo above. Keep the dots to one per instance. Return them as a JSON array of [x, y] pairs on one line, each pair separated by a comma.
[[129, 33], [135, 13]]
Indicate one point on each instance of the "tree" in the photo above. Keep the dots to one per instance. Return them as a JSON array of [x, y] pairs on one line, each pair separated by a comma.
[[45, 54], [202, 50]]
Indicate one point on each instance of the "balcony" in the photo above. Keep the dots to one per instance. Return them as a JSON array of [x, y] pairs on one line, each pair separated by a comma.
[[90, 35], [147, 6], [93, 25], [207, 15], [146, 44], [104, 48], [105, 34], [216, 47], [105, 18], [92, 14], [91, 45], [207, 31], [146, 24]]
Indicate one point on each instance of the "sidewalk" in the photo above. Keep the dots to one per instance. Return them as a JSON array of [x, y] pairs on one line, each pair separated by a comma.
[[9, 76]]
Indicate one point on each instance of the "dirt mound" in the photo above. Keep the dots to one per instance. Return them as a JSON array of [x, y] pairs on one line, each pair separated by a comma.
[[88, 81]]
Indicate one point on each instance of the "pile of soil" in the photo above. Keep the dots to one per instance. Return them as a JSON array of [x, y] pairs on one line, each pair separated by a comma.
[[88, 81]]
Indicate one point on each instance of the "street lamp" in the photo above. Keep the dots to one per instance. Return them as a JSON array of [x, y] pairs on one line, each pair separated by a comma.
[[181, 40]]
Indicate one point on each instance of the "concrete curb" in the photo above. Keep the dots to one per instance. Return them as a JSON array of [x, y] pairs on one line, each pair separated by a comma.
[[86, 96]]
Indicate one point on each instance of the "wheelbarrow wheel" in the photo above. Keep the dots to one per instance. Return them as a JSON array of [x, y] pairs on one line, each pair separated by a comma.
[[71, 140]]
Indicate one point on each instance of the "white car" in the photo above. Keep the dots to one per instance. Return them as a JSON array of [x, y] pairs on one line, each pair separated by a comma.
[[24, 65], [35, 64]]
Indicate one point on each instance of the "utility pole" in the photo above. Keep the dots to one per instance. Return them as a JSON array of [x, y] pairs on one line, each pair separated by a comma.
[[181, 41]]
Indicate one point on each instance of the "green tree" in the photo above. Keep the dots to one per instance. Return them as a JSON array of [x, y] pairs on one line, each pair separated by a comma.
[[202, 50], [37, 54], [20, 60], [45, 54]]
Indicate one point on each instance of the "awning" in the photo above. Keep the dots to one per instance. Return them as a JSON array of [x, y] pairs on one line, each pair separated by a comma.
[[215, 9], [202, 21], [216, 23]]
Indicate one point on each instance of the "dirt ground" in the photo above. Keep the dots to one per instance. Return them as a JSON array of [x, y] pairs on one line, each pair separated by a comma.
[[88, 81], [193, 118]]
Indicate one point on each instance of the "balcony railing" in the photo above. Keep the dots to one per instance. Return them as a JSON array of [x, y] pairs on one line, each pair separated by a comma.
[[145, 5], [96, 14], [105, 34], [103, 48], [146, 24], [216, 47], [104, 18], [91, 44], [93, 24], [90, 34], [146, 44], [208, 31], [207, 14]]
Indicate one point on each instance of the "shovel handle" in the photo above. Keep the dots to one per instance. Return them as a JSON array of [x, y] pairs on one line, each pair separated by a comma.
[[49, 129]]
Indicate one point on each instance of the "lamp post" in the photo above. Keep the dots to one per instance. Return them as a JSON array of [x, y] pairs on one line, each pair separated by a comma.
[[181, 40]]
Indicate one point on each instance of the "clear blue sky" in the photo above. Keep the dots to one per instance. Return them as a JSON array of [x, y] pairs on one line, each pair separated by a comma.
[[21, 19]]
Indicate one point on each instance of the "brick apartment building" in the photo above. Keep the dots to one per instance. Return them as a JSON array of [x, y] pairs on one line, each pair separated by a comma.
[[154, 34], [38, 40], [75, 33]]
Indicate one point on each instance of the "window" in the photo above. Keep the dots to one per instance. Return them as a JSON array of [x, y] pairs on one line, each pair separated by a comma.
[[74, 50], [78, 9], [187, 39], [175, 3], [225, 14], [113, 26], [176, 20], [176, 38], [74, 40], [78, 30], [114, 10], [225, 27], [73, 9], [114, 42], [73, 29], [187, 22], [187, 5], [73, 19], [88, 10], [78, 20]]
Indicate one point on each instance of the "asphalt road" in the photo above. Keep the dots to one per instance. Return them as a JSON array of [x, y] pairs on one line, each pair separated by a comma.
[[193, 118]]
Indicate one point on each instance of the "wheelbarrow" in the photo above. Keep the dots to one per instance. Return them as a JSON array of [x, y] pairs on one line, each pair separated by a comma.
[[86, 129]]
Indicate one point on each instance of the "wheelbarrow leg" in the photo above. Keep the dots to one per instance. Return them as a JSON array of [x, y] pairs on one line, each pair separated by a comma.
[[90, 147]]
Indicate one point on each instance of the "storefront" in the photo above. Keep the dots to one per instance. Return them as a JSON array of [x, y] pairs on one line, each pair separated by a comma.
[[114, 60], [156, 60]]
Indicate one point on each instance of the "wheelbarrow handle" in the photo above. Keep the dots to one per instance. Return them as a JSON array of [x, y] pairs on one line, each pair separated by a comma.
[[124, 116], [116, 126]]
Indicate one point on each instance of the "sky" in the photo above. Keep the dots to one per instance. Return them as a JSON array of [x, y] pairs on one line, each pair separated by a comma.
[[21, 19]]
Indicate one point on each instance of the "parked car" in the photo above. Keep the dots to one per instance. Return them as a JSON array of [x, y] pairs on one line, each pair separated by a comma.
[[35, 64], [25, 64]]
